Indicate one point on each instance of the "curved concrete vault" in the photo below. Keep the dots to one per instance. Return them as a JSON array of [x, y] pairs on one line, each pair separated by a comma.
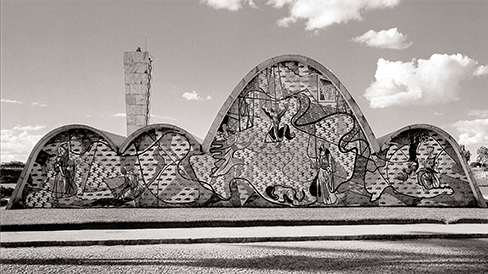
[[289, 134]]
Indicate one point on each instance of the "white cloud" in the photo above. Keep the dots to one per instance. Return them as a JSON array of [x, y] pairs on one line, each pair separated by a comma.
[[479, 113], [232, 5], [472, 132], [29, 128], [323, 13], [194, 96], [318, 14], [279, 3], [419, 82], [160, 117], [10, 101], [17, 143], [37, 104], [384, 39], [481, 70]]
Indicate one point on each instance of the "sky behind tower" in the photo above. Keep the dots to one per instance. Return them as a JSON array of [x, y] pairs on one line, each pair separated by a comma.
[[403, 61]]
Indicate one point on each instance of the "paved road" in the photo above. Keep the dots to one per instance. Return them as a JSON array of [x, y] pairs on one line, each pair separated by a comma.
[[240, 234], [409, 256]]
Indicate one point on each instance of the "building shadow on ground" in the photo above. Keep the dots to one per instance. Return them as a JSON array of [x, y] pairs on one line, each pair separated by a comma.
[[418, 256]]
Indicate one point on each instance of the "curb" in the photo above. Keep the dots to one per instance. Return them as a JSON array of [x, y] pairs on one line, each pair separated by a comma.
[[224, 223], [389, 237]]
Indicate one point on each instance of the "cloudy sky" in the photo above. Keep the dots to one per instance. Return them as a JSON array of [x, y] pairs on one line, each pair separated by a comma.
[[404, 61]]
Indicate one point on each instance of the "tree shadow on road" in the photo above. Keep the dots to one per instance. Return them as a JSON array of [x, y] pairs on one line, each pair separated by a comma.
[[431, 256]]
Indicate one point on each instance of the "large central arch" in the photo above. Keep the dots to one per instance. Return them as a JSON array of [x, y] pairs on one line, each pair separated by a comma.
[[289, 135], [291, 58]]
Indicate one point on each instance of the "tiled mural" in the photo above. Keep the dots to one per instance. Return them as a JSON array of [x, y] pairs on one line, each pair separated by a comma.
[[289, 137], [78, 168], [421, 168]]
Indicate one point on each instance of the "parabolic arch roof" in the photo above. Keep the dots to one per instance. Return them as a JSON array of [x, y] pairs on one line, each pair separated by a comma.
[[289, 135], [290, 58]]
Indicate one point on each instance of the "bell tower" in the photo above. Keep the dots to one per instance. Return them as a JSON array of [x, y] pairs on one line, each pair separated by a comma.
[[137, 66]]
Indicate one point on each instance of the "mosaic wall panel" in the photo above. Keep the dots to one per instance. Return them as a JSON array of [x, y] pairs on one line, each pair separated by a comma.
[[290, 138], [78, 168], [422, 168]]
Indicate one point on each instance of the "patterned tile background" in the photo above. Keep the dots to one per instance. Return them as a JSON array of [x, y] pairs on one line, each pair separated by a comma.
[[290, 138]]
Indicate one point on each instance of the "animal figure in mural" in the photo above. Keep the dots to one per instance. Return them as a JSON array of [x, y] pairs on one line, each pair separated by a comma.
[[290, 138], [277, 132], [419, 164], [279, 140], [428, 176], [83, 171]]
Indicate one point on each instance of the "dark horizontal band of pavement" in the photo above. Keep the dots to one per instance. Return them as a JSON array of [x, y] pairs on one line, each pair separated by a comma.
[[225, 223], [391, 237]]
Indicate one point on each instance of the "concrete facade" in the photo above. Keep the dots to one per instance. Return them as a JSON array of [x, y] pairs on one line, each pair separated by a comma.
[[138, 67], [289, 135]]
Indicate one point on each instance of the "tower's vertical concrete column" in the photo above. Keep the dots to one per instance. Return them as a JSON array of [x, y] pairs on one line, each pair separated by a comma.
[[138, 68]]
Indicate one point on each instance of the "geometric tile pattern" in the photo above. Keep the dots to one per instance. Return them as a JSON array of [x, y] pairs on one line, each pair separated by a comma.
[[289, 145], [420, 164], [290, 136]]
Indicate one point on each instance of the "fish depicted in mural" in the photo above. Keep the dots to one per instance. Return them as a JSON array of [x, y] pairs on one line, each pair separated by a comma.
[[290, 135]]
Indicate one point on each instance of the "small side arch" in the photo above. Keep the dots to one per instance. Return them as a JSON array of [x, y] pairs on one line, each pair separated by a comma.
[[385, 141], [113, 141], [193, 139]]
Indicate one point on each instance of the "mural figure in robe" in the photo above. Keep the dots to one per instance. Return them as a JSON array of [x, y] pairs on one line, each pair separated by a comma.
[[291, 137], [324, 186], [64, 184]]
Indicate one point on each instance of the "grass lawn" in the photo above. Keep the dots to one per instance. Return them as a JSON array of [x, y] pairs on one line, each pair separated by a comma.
[[229, 216]]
